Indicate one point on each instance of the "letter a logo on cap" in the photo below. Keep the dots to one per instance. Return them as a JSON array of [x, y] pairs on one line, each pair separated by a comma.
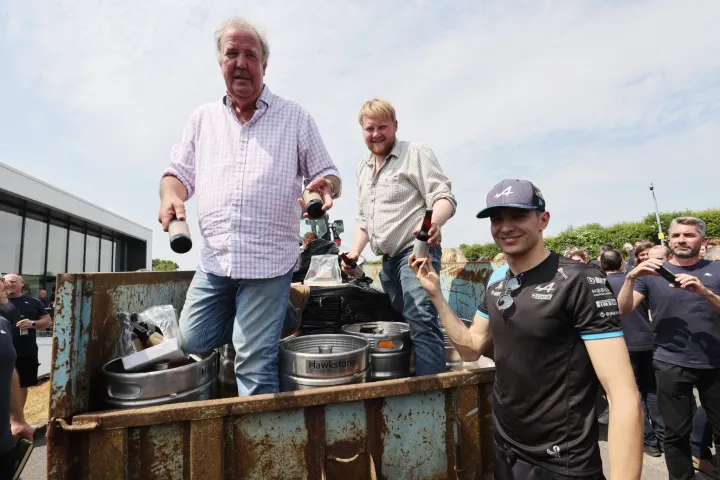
[[505, 192]]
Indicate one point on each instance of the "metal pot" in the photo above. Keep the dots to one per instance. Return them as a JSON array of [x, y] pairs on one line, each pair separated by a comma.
[[452, 357], [322, 361], [190, 382], [390, 347]]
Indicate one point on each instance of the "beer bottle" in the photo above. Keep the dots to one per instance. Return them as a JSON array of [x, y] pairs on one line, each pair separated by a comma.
[[421, 249], [359, 273], [313, 204], [179, 233]]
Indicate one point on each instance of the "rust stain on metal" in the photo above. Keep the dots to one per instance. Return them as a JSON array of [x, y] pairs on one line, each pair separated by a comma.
[[376, 431], [107, 455], [134, 448], [469, 431], [484, 395], [206, 449], [229, 448], [272, 445], [315, 445], [451, 434], [161, 453], [282, 401]]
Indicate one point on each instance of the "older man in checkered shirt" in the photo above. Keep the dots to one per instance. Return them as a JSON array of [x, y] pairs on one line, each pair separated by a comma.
[[396, 183], [244, 159]]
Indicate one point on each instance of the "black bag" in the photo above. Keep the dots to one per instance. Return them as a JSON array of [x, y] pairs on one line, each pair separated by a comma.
[[329, 308]]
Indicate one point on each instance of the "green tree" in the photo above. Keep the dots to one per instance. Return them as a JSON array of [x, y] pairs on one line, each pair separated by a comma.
[[592, 235], [160, 265]]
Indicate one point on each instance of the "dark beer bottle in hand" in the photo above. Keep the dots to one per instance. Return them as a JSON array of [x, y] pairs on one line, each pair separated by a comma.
[[179, 233], [313, 204], [359, 273], [421, 249]]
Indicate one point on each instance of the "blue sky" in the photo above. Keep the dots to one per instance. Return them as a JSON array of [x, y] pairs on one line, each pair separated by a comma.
[[590, 100]]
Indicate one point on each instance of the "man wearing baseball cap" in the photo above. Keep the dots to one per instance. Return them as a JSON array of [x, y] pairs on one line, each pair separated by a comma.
[[555, 329]]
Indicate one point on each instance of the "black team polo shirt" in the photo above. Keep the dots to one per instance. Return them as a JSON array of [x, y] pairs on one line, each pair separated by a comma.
[[545, 385]]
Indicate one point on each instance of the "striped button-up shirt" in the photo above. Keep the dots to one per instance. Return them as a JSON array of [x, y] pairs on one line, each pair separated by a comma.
[[247, 179], [392, 203]]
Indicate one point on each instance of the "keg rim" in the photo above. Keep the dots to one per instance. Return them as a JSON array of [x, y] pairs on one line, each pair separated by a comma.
[[209, 358]]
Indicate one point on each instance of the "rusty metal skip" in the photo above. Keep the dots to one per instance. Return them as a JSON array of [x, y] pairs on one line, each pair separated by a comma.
[[434, 427]]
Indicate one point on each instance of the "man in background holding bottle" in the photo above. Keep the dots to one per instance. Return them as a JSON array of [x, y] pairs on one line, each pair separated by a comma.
[[396, 184], [244, 158]]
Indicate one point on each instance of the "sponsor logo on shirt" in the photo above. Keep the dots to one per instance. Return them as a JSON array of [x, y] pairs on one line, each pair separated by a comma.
[[547, 288], [601, 292], [708, 274], [562, 272], [496, 293], [554, 451], [606, 303], [596, 280], [609, 314], [3, 332], [542, 296]]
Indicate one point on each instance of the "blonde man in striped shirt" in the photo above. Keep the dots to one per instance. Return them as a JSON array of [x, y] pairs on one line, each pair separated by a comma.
[[396, 183]]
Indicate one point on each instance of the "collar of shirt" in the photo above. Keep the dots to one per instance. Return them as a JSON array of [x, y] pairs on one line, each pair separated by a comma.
[[394, 152], [262, 103]]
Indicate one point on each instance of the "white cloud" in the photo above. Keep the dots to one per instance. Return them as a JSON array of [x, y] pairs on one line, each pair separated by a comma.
[[591, 100]]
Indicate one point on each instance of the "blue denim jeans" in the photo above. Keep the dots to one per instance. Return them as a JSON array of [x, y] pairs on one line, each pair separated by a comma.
[[248, 312], [411, 300]]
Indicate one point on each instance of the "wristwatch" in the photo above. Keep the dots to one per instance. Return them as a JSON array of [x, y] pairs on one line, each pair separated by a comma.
[[33, 323]]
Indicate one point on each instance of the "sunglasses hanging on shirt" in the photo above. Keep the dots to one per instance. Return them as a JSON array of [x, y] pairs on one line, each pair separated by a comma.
[[511, 285]]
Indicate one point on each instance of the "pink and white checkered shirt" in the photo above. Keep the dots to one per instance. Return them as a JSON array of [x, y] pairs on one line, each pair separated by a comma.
[[247, 179]]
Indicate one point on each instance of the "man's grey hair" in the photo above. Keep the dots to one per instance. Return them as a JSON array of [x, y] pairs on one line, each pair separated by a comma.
[[239, 24], [713, 254], [699, 224]]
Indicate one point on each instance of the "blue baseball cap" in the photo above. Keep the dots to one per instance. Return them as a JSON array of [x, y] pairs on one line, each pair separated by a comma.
[[511, 193]]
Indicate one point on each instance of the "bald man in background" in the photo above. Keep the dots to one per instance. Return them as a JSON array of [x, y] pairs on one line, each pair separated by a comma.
[[33, 316]]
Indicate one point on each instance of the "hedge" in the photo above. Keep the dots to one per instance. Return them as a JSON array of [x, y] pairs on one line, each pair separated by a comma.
[[593, 235]]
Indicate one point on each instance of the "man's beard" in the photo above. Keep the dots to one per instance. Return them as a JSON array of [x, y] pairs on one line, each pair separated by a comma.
[[381, 149], [693, 252]]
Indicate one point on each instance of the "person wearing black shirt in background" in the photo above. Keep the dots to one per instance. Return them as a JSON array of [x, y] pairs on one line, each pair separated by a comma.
[[638, 333], [555, 330], [32, 317], [687, 336], [13, 453]]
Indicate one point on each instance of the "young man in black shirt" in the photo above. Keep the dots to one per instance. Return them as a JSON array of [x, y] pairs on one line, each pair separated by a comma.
[[686, 318], [32, 317], [638, 333], [555, 329]]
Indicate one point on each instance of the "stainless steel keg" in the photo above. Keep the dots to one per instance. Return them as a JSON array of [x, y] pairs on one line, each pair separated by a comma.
[[162, 385], [326, 360], [390, 347]]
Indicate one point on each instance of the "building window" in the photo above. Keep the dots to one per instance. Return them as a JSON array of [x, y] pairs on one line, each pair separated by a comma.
[[106, 247], [11, 225], [92, 252], [57, 250], [76, 249], [33, 262]]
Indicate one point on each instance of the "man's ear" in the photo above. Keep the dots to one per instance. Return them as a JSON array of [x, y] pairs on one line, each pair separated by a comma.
[[544, 220]]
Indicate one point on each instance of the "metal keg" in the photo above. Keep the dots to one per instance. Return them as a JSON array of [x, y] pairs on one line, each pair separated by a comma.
[[452, 357], [159, 386], [390, 347], [325, 360]]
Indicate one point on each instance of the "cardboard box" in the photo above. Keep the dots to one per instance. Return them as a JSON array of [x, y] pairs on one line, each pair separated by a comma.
[[169, 350]]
